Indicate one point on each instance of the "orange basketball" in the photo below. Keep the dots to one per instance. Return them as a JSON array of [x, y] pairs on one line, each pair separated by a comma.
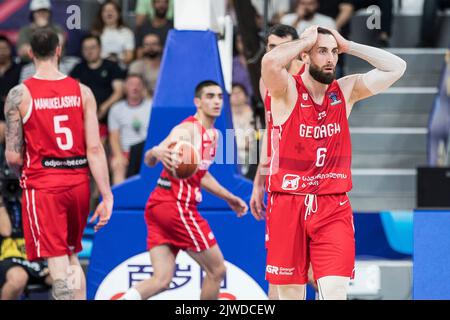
[[188, 158]]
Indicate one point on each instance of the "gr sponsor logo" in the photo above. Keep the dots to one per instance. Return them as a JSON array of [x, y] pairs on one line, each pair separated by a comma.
[[272, 269]]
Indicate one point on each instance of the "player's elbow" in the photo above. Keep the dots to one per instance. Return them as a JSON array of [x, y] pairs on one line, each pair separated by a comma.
[[401, 67], [95, 149], [270, 63]]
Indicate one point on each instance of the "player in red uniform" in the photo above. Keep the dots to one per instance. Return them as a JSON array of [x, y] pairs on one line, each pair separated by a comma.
[[51, 141], [311, 218], [171, 214]]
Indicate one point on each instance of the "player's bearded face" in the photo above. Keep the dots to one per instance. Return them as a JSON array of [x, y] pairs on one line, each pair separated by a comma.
[[325, 74]]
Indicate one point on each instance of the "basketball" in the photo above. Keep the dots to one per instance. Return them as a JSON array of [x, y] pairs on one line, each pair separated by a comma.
[[188, 159]]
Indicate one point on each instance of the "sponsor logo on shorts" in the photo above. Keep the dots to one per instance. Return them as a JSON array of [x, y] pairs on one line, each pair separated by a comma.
[[290, 182], [164, 183], [65, 163], [280, 271]]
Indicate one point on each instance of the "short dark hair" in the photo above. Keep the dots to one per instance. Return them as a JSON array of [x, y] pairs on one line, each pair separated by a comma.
[[5, 39], [204, 84], [324, 31], [282, 31], [44, 42], [91, 36], [240, 85]]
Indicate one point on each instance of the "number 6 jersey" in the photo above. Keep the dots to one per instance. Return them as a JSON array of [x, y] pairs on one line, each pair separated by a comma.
[[54, 137], [311, 151]]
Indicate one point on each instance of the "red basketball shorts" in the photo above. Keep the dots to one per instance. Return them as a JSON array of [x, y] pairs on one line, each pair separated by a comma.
[[54, 220], [309, 229], [179, 226]]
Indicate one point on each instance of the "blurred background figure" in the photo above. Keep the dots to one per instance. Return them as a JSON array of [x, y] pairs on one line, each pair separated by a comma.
[[246, 131], [306, 14], [128, 125], [160, 23], [9, 77], [148, 66], [117, 39], [40, 16], [104, 77], [144, 10], [240, 72]]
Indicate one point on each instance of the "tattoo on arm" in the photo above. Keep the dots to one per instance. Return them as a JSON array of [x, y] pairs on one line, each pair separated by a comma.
[[61, 290], [14, 130]]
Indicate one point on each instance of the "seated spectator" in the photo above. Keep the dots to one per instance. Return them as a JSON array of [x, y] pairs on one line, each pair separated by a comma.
[[429, 25], [144, 10], [148, 66], [240, 72], [16, 272], [66, 63], [160, 24], [117, 39], [306, 15], [104, 77], [9, 77], [128, 124], [246, 130], [40, 16]]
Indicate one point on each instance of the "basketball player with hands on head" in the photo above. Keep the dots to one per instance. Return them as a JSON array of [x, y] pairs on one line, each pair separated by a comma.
[[52, 140], [311, 219], [173, 221]]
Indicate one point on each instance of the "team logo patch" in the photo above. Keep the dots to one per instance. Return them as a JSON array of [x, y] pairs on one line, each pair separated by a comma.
[[305, 96], [334, 98], [290, 182]]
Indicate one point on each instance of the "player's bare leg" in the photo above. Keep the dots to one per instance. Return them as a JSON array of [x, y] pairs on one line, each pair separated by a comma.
[[59, 270], [163, 262], [273, 292], [212, 261], [333, 287], [16, 281], [292, 292], [77, 278]]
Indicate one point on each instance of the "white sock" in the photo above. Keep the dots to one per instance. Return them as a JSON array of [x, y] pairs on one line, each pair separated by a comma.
[[131, 294]]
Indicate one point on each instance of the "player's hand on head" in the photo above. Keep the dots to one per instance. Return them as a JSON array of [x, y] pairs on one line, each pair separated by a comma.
[[238, 205], [103, 212], [309, 37], [343, 44], [257, 204]]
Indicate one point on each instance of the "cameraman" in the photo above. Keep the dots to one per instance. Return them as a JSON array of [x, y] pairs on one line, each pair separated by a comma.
[[16, 272]]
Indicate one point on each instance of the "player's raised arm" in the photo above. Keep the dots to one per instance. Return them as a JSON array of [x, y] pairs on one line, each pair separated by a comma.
[[388, 69], [96, 158], [273, 69], [161, 152], [18, 98], [210, 184]]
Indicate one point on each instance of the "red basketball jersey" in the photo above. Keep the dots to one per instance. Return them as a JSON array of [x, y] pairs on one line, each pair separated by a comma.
[[270, 137], [55, 147], [188, 191], [312, 149]]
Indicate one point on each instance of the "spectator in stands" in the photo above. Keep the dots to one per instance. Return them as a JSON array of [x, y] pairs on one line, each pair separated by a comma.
[[40, 16], [246, 130], [159, 24], [429, 26], [240, 71], [128, 124], [9, 77], [66, 63], [104, 77], [341, 11], [144, 10], [16, 272], [117, 39], [148, 66], [306, 15]]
